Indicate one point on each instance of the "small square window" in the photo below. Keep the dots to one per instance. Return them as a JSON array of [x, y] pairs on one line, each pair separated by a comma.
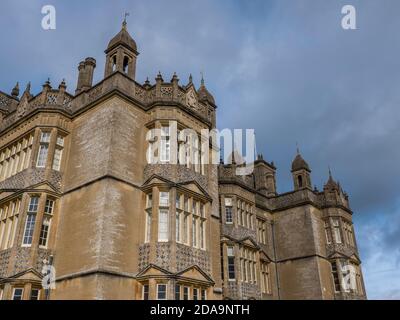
[[161, 292], [45, 137], [18, 293], [35, 294], [164, 198]]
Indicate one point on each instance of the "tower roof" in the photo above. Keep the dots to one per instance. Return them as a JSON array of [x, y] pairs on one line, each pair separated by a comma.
[[299, 163], [331, 184], [204, 94], [122, 38]]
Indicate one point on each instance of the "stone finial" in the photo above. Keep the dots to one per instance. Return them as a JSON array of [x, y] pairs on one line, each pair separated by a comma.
[[15, 91], [28, 88], [147, 83], [174, 78], [62, 85], [47, 84], [159, 77], [190, 79]]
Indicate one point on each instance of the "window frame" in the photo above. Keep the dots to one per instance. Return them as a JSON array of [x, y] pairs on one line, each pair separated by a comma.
[[21, 296], [158, 290]]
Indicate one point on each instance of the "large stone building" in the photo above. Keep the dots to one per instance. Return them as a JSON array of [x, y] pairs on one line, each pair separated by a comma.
[[77, 193]]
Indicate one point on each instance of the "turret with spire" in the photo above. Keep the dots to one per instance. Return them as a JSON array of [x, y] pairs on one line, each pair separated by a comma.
[[204, 94], [301, 172], [121, 53]]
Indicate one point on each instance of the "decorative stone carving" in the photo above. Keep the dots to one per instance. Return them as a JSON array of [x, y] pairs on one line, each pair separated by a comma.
[[4, 260], [191, 99], [166, 92], [52, 98], [22, 260], [4, 102], [95, 93], [163, 255], [144, 255], [188, 256]]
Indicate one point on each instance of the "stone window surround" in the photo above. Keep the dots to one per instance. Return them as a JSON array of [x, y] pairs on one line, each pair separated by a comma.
[[248, 210], [53, 144], [40, 215]]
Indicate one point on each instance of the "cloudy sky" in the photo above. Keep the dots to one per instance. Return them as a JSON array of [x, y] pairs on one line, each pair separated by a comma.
[[283, 67]]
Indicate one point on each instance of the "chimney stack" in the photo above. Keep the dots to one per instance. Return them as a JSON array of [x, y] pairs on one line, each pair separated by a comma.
[[85, 77]]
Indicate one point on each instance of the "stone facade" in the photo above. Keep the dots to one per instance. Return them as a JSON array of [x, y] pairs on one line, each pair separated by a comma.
[[78, 196]]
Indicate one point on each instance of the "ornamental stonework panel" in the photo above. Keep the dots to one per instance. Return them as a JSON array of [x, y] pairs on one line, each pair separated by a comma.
[[4, 260], [31, 177], [187, 257], [144, 255], [22, 260], [163, 255]]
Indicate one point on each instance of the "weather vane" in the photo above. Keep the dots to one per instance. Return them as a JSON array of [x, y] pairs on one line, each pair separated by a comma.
[[126, 15]]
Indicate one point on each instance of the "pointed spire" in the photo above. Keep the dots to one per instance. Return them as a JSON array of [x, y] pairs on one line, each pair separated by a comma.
[[331, 183], [28, 88], [15, 91], [297, 148], [190, 79], [202, 78]]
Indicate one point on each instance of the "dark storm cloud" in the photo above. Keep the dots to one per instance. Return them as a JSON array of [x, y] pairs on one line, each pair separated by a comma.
[[285, 68]]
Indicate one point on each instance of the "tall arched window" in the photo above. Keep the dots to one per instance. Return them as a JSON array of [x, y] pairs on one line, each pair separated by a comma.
[[300, 181], [114, 63], [126, 64]]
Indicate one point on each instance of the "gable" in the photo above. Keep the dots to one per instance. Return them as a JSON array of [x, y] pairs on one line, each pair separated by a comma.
[[194, 273], [153, 271], [30, 274]]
